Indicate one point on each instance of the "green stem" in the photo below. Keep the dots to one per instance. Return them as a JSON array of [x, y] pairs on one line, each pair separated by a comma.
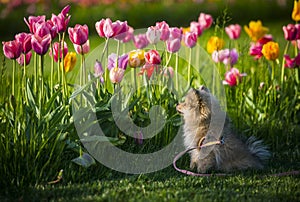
[[176, 71], [35, 73], [282, 65], [189, 67], [13, 77], [51, 71]]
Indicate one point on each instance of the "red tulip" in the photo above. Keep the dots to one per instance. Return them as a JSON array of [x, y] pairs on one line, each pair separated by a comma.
[[152, 57], [79, 34], [12, 49]]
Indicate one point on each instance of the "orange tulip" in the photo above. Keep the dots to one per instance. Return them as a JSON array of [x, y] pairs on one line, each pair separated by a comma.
[[296, 11], [271, 50], [256, 30]]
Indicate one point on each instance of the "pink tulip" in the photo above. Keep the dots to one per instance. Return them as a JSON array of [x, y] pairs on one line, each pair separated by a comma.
[[116, 75], [55, 52], [152, 57], [79, 34], [173, 45], [12, 49], [233, 31], [205, 20], [233, 77], [292, 62], [164, 30], [53, 28], [256, 48], [153, 35], [98, 71], [82, 49], [61, 20], [196, 27], [41, 44], [34, 19], [168, 72], [175, 32], [140, 41], [25, 40], [108, 29], [129, 35], [27, 58], [149, 69], [41, 29], [190, 39]]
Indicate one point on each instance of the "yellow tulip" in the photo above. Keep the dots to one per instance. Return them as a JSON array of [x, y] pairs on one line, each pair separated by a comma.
[[271, 50], [185, 29], [256, 30], [214, 43], [70, 61], [296, 11], [136, 58]]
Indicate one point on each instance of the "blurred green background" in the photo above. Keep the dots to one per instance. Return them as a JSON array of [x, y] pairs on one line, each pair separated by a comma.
[[141, 14]]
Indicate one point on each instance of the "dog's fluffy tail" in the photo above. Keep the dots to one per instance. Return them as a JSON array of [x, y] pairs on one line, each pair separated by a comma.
[[258, 149]]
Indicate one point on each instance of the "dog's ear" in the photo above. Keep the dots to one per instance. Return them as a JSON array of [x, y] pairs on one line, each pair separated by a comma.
[[203, 88]]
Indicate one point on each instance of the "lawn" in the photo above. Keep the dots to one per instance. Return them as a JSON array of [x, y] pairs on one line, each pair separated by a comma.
[[58, 117]]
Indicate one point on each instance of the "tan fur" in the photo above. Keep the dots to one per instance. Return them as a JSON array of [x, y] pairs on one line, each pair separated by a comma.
[[203, 117]]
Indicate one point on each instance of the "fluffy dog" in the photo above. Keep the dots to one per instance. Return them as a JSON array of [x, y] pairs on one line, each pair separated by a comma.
[[204, 123]]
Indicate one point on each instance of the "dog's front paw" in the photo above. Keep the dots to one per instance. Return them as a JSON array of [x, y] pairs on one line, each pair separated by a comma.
[[202, 167]]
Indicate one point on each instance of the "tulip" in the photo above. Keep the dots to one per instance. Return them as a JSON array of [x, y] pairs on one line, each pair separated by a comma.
[[129, 35], [153, 34], [122, 61], [25, 40], [291, 32], [256, 30], [168, 72], [61, 21], [79, 34], [175, 32], [34, 19], [296, 11], [152, 57], [292, 62], [190, 39], [164, 30], [82, 49], [173, 45], [270, 50], [228, 57], [108, 29], [136, 58], [196, 27], [116, 75], [214, 43], [205, 20], [149, 69], [255, 50], [56, 53], [12, 49], [41, 44], [233, 77], [98, 71], [140, 41], [233, 31], [27, 58], [53, 28], [70, 61], [41, 29]]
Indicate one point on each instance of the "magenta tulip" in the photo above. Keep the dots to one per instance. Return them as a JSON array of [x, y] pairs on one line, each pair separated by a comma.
[[164, 30], [25, 40], [122, 61], [79, 34], [175, 32], [34, 19], [129, 35], [205, 20], [61, 20], [12, 49], [291, 32], [27, 58], [140, 41], [233, 31], [121, 29], [152, 57], [292, 62], [233, 77], [41, 29], [190, 39], [41, 44], [108, 29]]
